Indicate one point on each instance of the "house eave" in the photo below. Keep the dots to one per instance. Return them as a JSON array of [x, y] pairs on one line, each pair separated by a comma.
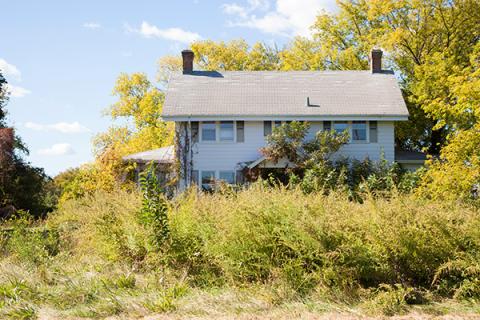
[[285, 117]]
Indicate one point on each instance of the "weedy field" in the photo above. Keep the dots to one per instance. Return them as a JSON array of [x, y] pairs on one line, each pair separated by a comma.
[[261, 253]]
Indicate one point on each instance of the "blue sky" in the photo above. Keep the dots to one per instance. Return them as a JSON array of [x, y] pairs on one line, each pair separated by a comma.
[[61, 58]]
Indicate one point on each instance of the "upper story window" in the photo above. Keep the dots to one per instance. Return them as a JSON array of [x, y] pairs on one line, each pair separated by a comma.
[[359, 131], [226, 131], [209, 131], [340, 126]]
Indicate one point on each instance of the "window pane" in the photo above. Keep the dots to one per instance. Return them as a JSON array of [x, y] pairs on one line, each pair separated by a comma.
[[208, 179], [373, 131], [227, 176], [278, 123], [359, 130], [209, 131], [226, 131], [267, 128], [340, 127], [240, 131]]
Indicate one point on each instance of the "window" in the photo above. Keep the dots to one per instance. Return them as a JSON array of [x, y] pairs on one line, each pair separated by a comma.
[[194, 125], [240, 131], [227, 176], [340, 126], [226, 131], [208, 179], [267, 128], [327, 125], [209, 131], [373, 131], [359, 131], [278, 124]]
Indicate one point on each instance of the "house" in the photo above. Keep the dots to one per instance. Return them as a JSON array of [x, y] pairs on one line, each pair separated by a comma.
[[222, 118], [162, 158]]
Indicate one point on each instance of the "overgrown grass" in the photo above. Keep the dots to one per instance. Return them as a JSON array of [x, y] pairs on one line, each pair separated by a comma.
[[262, 251]]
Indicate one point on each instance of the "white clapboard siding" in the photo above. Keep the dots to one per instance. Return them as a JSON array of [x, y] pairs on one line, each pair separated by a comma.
[[218, 156]]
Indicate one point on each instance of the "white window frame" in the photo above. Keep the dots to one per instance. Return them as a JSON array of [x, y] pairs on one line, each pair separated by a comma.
[[367, 131], [233, 172], [234, 127], [216, 175], [217, 132], [201, 172], [350, 131], [201, 132]]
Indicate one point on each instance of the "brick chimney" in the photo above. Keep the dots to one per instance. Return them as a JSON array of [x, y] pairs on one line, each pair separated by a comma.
[[187, 56], [6, 145], [376, 60]]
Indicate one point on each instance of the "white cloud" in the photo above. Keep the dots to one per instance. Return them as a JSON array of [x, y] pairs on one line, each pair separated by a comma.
[[58, 149], [92, 25], [63, 127], [176, 34], [17, 92], [288, 18], [9, 70]]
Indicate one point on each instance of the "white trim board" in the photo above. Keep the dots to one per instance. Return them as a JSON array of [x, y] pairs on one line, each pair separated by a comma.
[[287, 118]]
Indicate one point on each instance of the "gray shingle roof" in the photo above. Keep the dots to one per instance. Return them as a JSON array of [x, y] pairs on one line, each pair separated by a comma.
[[402, 155], [162, 155], [276, 93]]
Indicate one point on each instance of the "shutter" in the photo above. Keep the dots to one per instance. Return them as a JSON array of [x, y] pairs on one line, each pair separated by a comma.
[[327, 125], [240, 131], [267, 128], [373, 131], [195, 131], [240, 179], [195, 177]]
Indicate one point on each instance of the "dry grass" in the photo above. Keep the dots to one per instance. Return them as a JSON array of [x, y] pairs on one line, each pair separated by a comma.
[[258, 254]]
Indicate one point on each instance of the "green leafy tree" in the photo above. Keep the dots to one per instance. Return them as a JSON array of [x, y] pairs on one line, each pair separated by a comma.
[[3, 100], [289, 142], [22, 186]]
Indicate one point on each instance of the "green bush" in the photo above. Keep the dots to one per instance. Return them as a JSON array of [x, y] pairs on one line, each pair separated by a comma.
[[283, 244], [27, 241]]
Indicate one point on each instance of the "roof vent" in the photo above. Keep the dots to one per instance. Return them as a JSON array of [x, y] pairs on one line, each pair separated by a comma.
[[308, 104]]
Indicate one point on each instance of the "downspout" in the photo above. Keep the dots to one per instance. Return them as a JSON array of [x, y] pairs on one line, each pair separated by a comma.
[[190, 154]]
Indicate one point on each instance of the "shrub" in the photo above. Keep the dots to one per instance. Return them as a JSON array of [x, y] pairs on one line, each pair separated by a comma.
[[154, 206], [29, 242]]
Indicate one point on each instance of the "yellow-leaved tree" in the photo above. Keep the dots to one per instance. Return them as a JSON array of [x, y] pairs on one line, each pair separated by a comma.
[[139, 108], [451, 93]]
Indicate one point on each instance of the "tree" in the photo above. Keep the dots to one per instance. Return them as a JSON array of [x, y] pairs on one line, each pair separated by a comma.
[[235, 55], [452, 94], [412, 31], [139, 105], [22, 186], [289, 141], [3, 101]]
